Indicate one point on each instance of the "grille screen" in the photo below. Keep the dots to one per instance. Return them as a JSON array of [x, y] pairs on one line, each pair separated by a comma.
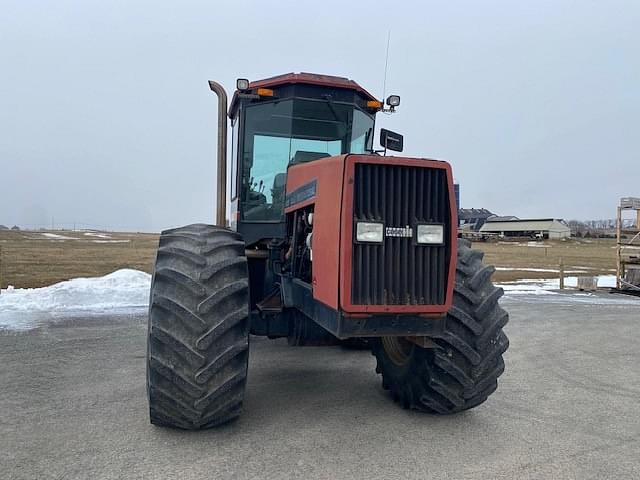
[[399, 272]]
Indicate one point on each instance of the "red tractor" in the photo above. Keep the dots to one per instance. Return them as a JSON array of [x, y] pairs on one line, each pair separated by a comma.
[[328, 241]]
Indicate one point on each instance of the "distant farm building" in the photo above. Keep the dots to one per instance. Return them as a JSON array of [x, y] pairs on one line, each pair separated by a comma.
[[502, 218], [550, 228], [473, 218]]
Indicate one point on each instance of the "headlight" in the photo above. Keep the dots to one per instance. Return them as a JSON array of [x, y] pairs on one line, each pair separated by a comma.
[[369, 232], [430, 234]]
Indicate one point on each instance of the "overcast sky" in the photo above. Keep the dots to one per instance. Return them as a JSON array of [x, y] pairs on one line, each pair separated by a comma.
[[106, 118]]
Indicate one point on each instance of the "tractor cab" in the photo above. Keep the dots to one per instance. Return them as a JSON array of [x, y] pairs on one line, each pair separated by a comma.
[[283, 121]]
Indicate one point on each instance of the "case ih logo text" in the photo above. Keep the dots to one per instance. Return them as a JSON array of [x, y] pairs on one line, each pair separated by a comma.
[[399, 232]]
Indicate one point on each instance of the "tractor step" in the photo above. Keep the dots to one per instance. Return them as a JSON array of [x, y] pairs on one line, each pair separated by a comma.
[[272, 303]]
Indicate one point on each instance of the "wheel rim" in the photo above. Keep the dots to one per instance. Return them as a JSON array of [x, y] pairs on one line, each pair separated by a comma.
[[397, 349]]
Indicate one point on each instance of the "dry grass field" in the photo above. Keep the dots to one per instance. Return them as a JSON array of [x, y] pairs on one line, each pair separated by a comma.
[[40, 258], [516, 260], [36, 259]]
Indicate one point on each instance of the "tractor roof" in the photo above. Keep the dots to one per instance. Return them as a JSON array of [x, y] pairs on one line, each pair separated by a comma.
[[305, 78], [311, 79]]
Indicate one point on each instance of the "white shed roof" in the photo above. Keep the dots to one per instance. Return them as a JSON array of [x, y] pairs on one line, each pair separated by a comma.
[[533, 225]]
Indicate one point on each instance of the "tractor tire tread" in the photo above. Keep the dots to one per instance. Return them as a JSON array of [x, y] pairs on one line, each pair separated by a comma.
[[463, 370], [198, 337]]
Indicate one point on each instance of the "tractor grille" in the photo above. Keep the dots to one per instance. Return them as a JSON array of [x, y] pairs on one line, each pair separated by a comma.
[[399, 272]]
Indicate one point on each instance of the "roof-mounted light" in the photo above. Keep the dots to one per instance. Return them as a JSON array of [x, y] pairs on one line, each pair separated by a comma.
[[242, 84], [265, 92], [393, 100], [374, 104]]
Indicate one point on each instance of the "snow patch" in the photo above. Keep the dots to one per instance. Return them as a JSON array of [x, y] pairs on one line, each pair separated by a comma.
[[543, 270], [537, 245], [518, 288], [535, 291], [124, 291], [546, 286], [55, 236], [515, 269], [97, 235], [110, 241]]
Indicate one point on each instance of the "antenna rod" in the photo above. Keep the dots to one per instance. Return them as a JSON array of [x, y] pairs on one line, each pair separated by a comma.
[[386, 65]]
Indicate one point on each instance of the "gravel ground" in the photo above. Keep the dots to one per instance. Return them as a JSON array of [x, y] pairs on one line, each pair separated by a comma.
[[73, 406]]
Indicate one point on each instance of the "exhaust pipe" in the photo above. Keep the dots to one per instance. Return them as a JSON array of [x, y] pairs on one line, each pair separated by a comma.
[[221, 200]]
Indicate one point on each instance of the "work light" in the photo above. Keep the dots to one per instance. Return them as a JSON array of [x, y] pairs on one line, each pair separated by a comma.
[[430, 234], [369, 232], [393, 100], [242, 84]]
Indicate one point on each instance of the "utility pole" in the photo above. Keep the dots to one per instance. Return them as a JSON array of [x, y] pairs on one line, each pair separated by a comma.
[[619, 248]]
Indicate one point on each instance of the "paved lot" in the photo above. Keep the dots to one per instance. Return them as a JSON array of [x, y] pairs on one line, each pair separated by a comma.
[[73, 406]]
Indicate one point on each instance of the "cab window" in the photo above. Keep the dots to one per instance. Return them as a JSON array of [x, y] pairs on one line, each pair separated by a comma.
[[280, 133]]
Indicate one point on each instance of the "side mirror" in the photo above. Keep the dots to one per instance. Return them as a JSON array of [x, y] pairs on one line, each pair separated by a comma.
[[391, 140]]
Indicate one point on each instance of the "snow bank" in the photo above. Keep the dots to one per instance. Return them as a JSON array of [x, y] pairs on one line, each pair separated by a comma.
[[122, 291]]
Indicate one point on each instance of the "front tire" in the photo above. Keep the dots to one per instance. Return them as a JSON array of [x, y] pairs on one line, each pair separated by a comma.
[[462, 368], [198, 336]]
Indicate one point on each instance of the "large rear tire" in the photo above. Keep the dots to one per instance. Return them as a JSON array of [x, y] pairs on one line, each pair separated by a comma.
[[198, 337], [462, 368]]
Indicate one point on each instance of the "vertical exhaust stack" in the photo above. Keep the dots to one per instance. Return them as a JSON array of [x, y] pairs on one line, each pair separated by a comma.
[[221, 202]]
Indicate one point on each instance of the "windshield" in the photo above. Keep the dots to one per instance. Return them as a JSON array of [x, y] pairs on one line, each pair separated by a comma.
[[293, 131]]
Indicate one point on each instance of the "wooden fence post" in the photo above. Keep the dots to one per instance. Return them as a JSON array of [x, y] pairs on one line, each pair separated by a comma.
[[561, 274]]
